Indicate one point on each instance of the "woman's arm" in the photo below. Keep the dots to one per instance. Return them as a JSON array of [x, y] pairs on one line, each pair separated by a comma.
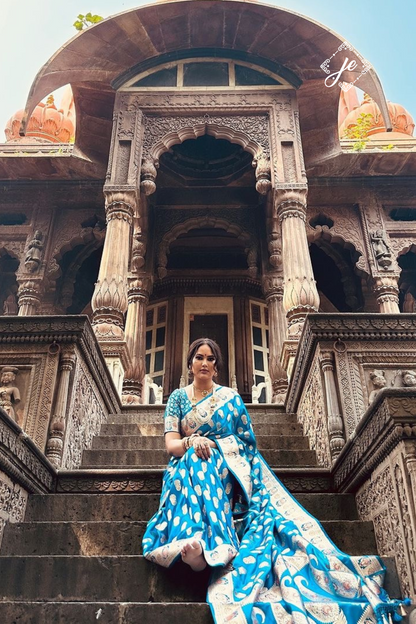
[[175, 445]]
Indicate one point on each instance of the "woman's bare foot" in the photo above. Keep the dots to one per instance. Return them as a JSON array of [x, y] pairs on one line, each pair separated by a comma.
[[193, 556]]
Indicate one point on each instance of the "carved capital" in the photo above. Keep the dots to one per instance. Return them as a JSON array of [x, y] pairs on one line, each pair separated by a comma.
[[290, 202], [139, 289], [327, 361], [272, 286], [29, 296], [275, 250], [386, 290], [138, 251], [119, 205], [148, 176], [263, 175]]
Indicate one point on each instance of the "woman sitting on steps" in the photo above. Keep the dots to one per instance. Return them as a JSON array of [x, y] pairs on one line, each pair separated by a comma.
[[222, 506]]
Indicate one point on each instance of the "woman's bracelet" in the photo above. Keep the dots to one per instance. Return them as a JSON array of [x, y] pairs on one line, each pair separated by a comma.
[[188, 441]]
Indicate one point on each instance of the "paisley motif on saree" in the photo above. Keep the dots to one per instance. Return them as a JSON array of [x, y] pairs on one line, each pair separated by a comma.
[[272, 561]]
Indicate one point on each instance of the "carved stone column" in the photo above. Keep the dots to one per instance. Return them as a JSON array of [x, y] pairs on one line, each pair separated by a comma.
[[386, 290], [55, 444], [138, 297], [273, 291], [300, 293], [335, 423], [29, 296], [109, 301]]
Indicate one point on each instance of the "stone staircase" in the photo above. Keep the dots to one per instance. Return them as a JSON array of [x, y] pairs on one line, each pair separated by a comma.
[[77, 556]]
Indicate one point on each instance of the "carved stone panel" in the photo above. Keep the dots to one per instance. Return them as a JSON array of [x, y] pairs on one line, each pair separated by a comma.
[[312, 415], [13, 499], [86, 414], [387, 500]]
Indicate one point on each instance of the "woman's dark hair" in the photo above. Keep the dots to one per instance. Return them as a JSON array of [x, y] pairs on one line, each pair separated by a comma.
[[216, 351]]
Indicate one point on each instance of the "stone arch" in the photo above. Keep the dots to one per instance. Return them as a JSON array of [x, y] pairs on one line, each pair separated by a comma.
[[9, 264], [406, 260], [200, 222], [314, 234], [251, 132], [344, 258]]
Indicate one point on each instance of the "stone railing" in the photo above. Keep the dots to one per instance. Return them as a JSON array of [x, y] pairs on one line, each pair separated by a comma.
[[55, 382], [23, 469], [378, 463], [342, 363]]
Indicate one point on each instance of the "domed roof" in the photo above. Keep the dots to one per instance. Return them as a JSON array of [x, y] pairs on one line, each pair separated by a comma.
[[97, 60], [401, 120], [47, 124]]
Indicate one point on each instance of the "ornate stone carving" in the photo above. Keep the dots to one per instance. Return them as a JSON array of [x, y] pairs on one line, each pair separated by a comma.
[[109, 301], [29, 296], [13, 500], [138, 251], [346, 229], [249, 131], [311, 413], [381, 250], [335, 423], [139, 289], [87, 413], [10, 307], [300, 293], [386, 290], [273, 290], [148, 175], [384, 499], [55, 444], [9, 393], [34, 252], [263, 175], [379, 382]]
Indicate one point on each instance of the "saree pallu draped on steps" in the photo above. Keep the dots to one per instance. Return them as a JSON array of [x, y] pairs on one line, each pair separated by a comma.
[[272, 561]]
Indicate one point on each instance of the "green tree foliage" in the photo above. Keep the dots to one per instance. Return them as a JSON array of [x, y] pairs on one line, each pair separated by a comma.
[[359, 131], [83, 21]]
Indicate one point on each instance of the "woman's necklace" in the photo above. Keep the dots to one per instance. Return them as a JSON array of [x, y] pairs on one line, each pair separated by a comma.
[[203, 392], [201, 412]]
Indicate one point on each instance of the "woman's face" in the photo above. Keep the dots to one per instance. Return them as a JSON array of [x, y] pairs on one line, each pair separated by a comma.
[[203, 364]]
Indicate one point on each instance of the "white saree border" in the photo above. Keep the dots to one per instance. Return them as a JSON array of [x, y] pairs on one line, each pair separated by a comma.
[[238, 465], [369, 567]]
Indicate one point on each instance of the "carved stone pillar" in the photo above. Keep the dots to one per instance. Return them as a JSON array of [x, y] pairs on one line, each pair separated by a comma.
[[109, 301], [273, 291], [29, 296], [300, 293], [138, 297], [386, 290], [335, 423], [55, 444]]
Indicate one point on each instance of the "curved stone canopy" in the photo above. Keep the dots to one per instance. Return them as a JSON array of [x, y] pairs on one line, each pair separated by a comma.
[[96, 59]]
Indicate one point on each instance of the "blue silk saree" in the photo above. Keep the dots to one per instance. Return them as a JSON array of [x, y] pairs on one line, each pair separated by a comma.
[[272, 562]]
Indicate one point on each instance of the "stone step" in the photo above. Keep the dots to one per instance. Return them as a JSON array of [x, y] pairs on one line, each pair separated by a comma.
[[147, 457], [150, 410], [137, 442], [100, 539], [111, 579], [157, 418], [132, 507], [112, 613], [104, 612], [140, 480], [111, 429]]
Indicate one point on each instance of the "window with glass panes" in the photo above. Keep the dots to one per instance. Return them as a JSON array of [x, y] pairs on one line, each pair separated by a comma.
[[156, 341], [260, 342]]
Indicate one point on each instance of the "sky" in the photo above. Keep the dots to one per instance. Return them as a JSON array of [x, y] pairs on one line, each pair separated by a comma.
[[383, 31]]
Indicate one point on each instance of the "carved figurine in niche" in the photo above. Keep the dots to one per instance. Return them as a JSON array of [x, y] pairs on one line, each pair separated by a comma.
[[409, 378], [138, 251], [381, 249], [10, 307], [9, 394], [34, 252], [379, 382]]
